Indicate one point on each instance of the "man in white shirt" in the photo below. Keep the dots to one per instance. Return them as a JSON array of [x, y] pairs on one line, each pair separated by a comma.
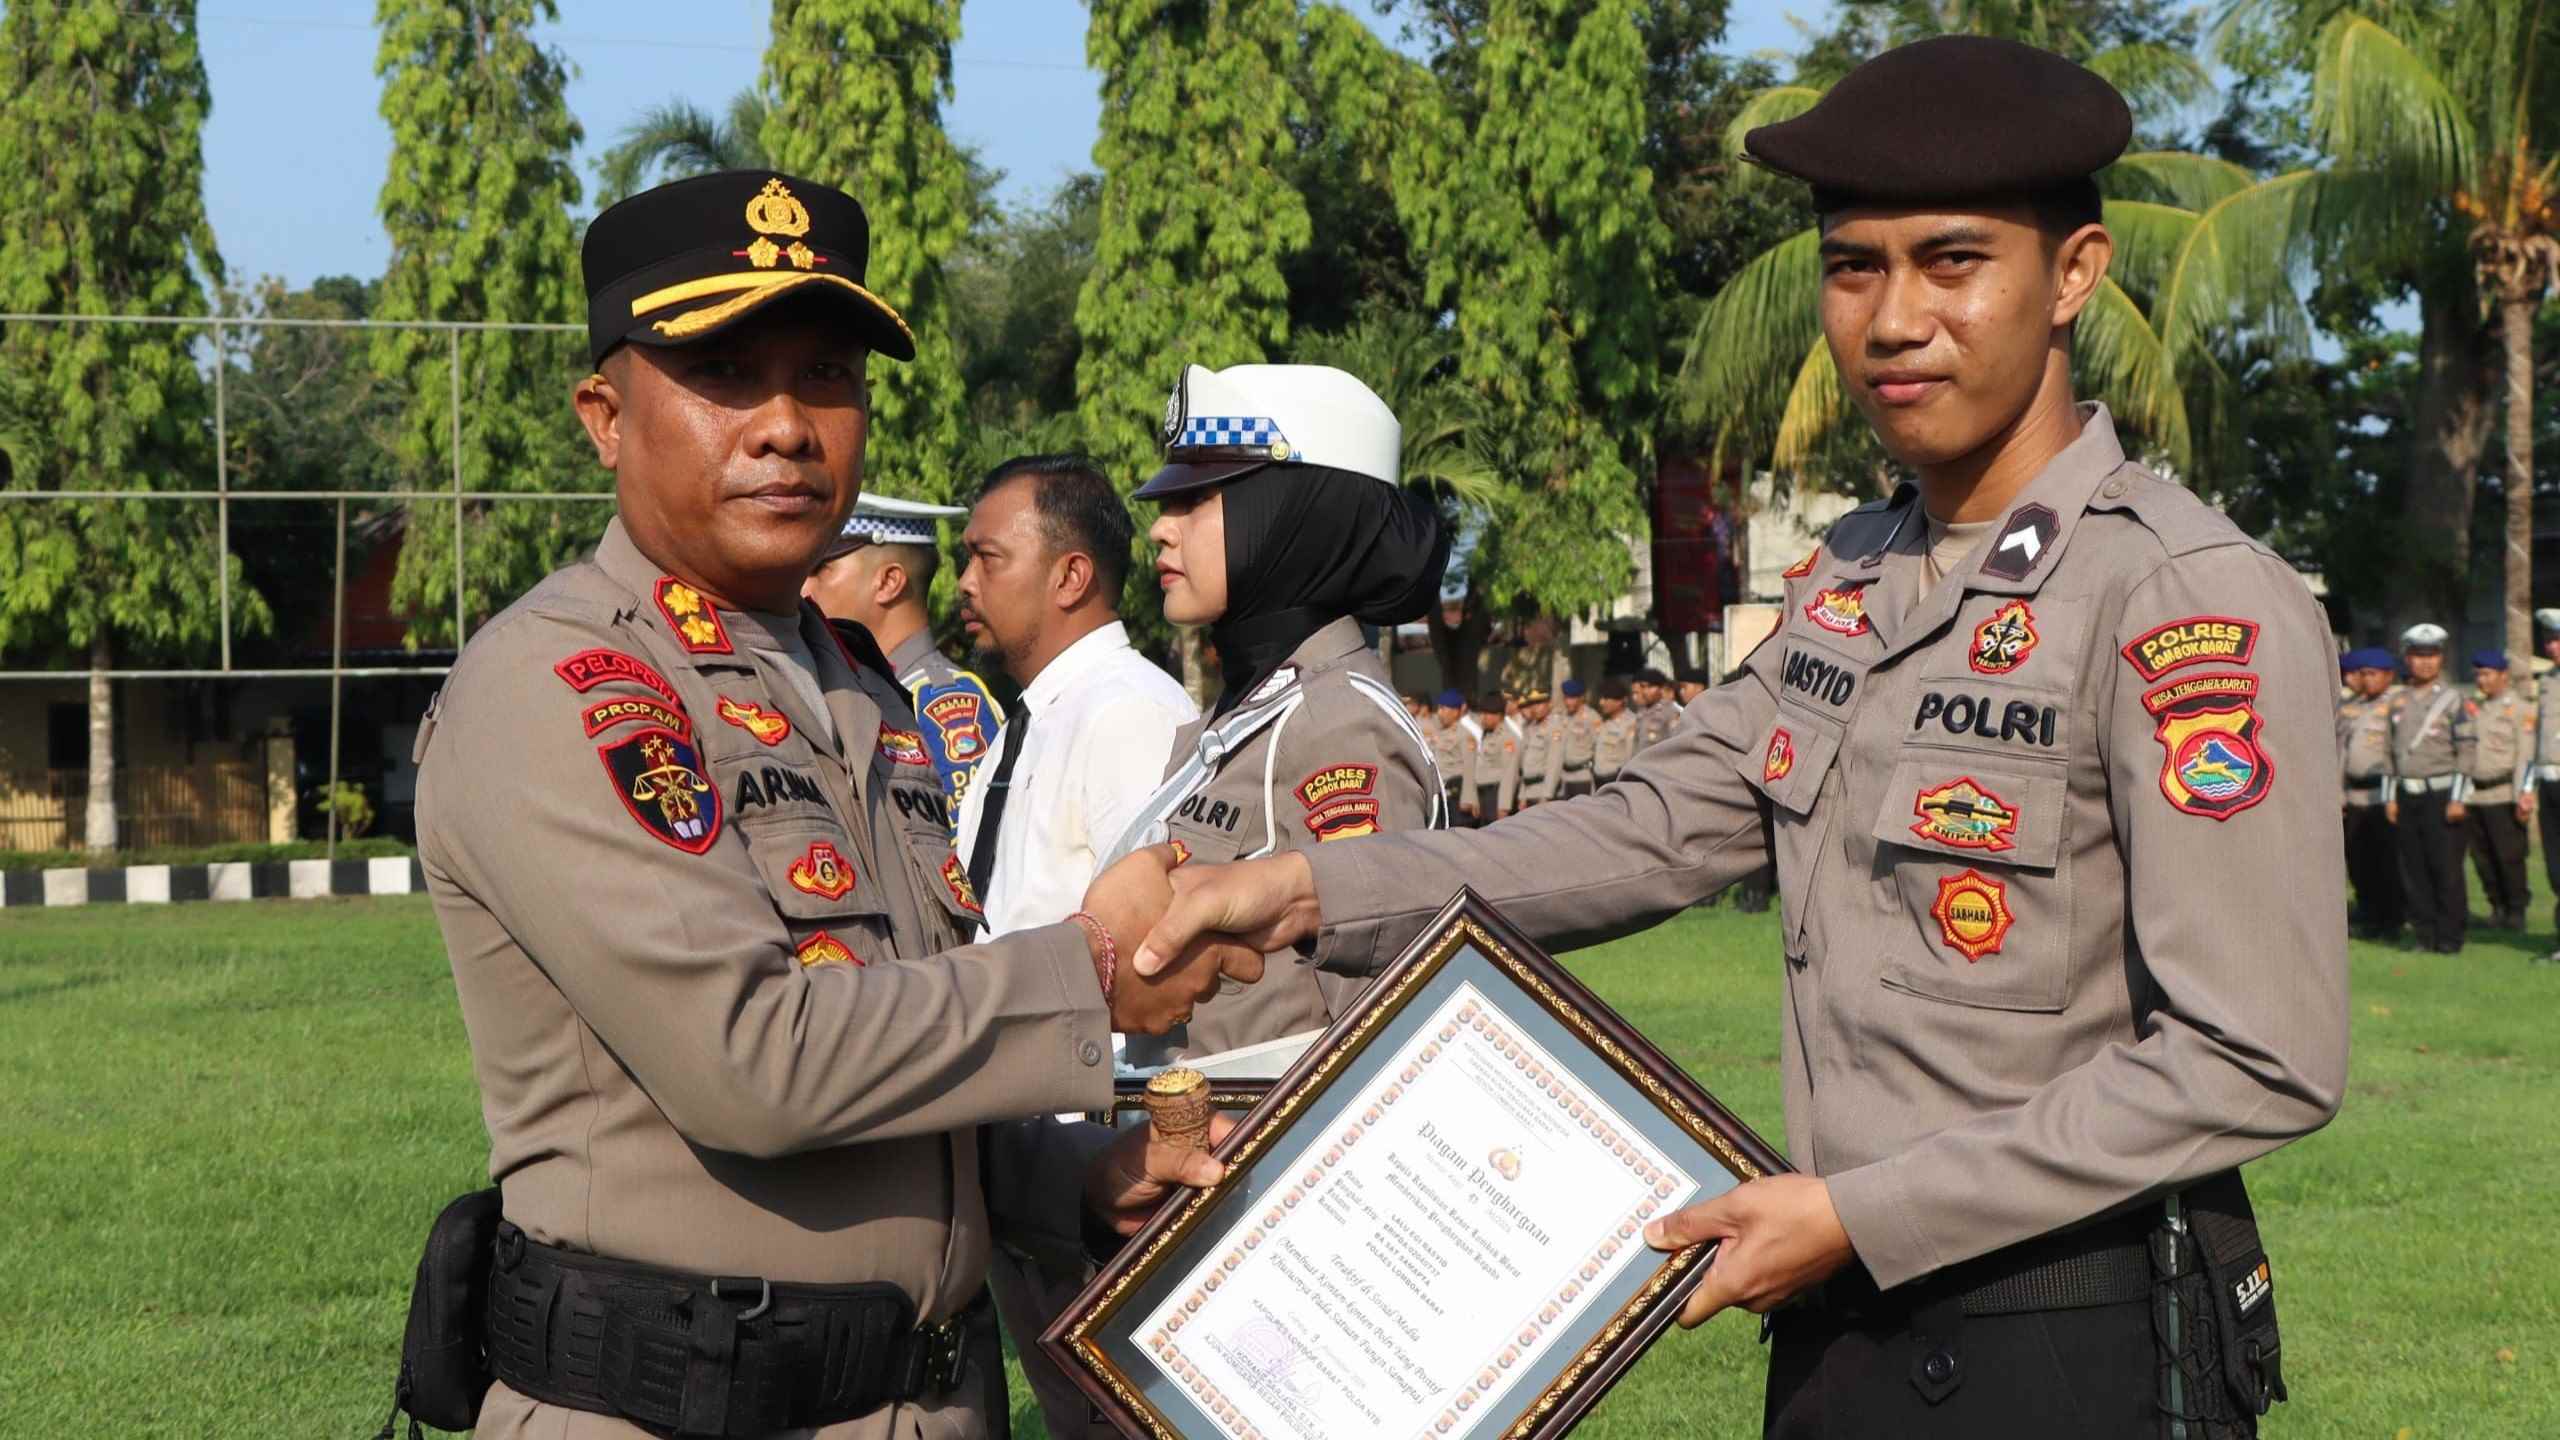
[[1078, 757], [1048, 549]]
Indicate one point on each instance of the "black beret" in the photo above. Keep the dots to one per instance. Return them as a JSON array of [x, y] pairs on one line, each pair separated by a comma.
[[683, 261], [1954, 117]]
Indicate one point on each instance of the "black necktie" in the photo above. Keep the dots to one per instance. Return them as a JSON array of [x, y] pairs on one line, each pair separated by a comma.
[[982, 855]]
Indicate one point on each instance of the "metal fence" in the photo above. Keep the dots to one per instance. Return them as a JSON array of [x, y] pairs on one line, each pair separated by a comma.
[[214, 803], [224, 496]]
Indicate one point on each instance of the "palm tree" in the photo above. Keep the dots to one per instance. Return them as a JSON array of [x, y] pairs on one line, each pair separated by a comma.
[[2433, 182], [1759, 377], [677, 139]]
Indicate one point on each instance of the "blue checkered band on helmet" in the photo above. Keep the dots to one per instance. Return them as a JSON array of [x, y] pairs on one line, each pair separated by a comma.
[[1230, 430], [891, 530]]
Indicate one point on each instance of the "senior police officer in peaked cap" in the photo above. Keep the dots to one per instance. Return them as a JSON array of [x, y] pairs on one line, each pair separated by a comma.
[[2063, 908], [1285, 528], [752, 1105], [2433, 750], [878, 575]]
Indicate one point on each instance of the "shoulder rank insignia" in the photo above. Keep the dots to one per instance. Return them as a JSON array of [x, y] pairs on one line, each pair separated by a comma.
[[1781, 757], [1341, 801], [2023, 542], [822, 872], [956, 876], [825, 949], [903, 747], [590, 668], [659, 779], [1842, 611], [2212, 764], [770, 727], [2001, 643], [2195, 640], [695, 621], [1803, 567], [629, 709], [1972, 912], [1963, 814]]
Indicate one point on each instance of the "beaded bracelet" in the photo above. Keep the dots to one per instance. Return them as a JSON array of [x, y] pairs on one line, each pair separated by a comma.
[[1107, 968]]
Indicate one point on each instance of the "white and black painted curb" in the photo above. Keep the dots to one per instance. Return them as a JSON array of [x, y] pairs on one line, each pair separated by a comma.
[[233, 880]]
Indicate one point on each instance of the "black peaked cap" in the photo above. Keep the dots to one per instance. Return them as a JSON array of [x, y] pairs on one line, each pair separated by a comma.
[[1954, 117], [686, 260]]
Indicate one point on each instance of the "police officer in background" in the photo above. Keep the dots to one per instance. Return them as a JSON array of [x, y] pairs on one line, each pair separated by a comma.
[[2504, 726], [753, 1108], [1613, 740], [2364, 751], [2432, 755], [1656, 716], [2544, 768], [2063, 917], [877, 575], [1539, 742], [1577, 741], [1453, 744], [1493, 774], [1285, 529]]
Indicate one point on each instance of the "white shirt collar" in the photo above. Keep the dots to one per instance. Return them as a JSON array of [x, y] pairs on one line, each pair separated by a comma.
[[1093, 649]]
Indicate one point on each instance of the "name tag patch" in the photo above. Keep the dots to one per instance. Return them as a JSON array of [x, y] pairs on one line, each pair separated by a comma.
[[776, 785], [1819, 680]]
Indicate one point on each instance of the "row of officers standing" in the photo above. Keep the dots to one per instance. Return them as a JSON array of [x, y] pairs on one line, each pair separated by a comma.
[[2432, 772], [1507, 751]]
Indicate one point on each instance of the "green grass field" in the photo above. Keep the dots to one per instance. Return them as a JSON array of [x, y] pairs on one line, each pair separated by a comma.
[[227, 1127]]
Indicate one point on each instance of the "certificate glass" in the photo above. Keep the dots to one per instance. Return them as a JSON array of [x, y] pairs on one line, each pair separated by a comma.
[[1432, 1226]]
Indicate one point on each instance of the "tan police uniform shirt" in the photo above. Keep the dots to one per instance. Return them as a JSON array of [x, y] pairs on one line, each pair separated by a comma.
[[2503, 733], [2433, 743], [1579, 732], [2364, 748], [1320, 752], [719, 1010], [2545, 767], [2059, 935], [1655, 722], [1540, 744], [1452, 747], [1613, 745], [1495, 766]]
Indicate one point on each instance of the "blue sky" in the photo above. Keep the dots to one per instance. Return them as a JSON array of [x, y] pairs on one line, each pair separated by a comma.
[[295, 149]]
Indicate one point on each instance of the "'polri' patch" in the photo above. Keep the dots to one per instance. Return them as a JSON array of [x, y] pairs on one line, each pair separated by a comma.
[[2195, 640]]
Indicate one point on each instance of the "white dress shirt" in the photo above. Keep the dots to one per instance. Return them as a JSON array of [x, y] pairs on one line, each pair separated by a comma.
[[1102, 723]]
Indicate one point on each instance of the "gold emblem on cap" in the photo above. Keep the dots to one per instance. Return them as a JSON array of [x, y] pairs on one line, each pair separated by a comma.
[[1279, 449], [774, 210]]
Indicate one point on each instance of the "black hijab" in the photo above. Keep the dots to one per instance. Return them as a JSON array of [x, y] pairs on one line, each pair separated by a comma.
[[1308, 545]]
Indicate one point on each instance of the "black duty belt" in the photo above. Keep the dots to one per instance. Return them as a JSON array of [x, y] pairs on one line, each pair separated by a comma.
[[697, 1355], [2108, 1263]]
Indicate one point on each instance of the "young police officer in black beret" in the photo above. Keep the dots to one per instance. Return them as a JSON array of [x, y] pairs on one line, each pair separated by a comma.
[[2056, 829]]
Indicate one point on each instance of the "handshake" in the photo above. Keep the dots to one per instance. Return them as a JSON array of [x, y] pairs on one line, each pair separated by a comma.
[[1180, 929]]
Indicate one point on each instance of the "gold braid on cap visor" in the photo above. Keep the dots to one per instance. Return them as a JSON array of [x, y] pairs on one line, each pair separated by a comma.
[[757, 286]]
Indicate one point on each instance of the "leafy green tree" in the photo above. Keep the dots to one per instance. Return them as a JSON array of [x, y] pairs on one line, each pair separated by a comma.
[[102, 212], [2436, 182], [1198, 216], [680, 138], [478, 205], [857, 89], [1013, 288]]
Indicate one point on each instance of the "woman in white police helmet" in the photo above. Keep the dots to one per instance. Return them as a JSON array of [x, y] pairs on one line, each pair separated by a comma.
[[1284, 530]]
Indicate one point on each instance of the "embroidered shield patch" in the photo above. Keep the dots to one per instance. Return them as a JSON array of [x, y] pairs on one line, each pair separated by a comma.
[[659, 778], [1781, 757], [903, 747], [1972, 912], [822, 872], [956, 876], [959, 718], [2001, 643], [770, 727], [2212, 763], [825, 949], [1963, 814], [1842, 611]]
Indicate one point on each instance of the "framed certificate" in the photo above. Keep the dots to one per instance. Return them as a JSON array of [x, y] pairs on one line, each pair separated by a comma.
[[1432, 1226]]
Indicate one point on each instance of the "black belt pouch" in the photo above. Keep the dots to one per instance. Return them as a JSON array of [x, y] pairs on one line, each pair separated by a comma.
[[2228, 1354], [444, 1368]]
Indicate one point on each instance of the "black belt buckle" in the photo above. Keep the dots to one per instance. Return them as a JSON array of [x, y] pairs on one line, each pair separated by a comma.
[[941, 1351]]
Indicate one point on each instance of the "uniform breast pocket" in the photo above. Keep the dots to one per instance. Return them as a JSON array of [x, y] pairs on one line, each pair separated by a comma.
[[821, 887], [1789, 766], [1977, 855]]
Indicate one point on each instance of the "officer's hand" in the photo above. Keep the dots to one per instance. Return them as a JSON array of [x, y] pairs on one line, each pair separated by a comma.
[[1266, 905], [2456, 811], [1129, 1180], [1774, 1236], [2524, 806], [2391, 811], [1127, 900], [1467, 808]]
